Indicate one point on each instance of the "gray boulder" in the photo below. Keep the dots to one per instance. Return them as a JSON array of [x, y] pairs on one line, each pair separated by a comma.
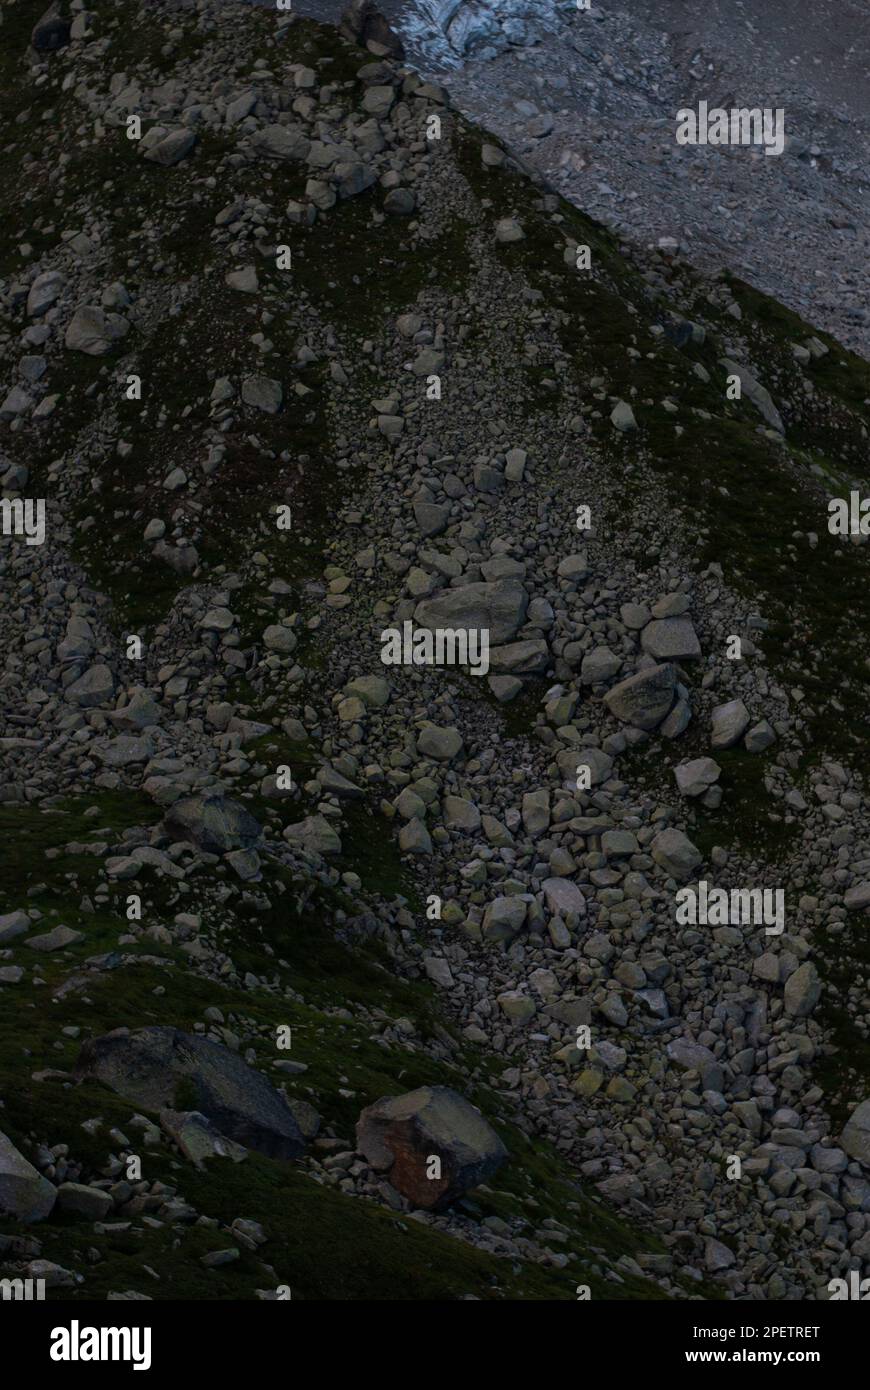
[[91, 330], [500, 606], [730, 722], [674, 852], [402, 1136], [154, 1066], [803, 990], [756, 393], [213, 822], [172, 148], [694, 778], [504, 918], [95, 687], [644, 699], [51, 31], [24, 1193], [671, 639]]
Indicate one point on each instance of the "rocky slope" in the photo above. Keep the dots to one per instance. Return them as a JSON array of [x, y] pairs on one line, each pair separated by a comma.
[[306, 358]]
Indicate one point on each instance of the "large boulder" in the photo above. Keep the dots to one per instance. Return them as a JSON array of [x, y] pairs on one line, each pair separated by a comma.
[[213, 822], [163, 1068], [24, 1193], [499, 606], [645, 699], [403, 1135]]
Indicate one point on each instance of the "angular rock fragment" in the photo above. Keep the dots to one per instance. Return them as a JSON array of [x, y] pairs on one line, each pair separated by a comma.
[[644, 699]]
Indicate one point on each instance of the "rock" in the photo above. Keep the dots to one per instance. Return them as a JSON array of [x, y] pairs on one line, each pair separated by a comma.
[[263, 393], [508, 230], [172, 148], [414, 838], [12, 925], [759, 738], [431, 517], [622, 417], [671, 639], [374, 691], [281, 142], [459, 814], [692, 1056], [353, 178], [400, 202], [439, 972], [519, 1008], [95, 687], [500, 606], [55, 940], [441, 744], [51, 32], [93, 331], [150, 1066], [674, 852], [855, 899], [25, 1194], [573, 567], [855, 1138], [599, 665], [693, 778], [183, 559], [402, 1135], [199, 1139], [77, 1199], [378, 101], [45, 290], [730, 722], [503, 919], [520, 658], [644, 699], [803, 990], [16, 402], [717, 1256], [280, 639], [244, 280], [756, 393], [213, 822], [315, 835], [563, 898]]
